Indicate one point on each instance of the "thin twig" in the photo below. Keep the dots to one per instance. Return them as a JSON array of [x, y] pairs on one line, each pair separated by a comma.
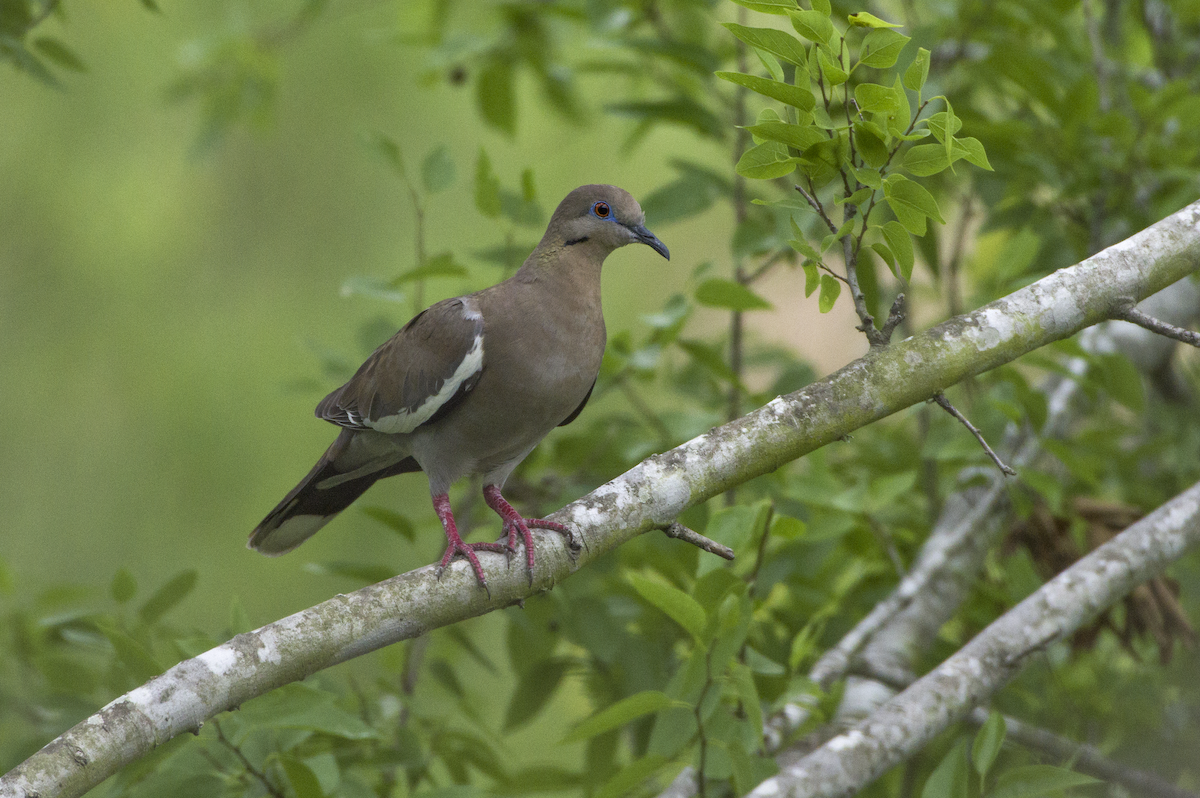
[[895, 316], [644, 410], [253, 771], [1085, 758], [680, 532], [786, 253], [866, 320], [888, 545], [702, 737], [1135, 316], [944, 403], [761, 554], [953, 267], [819, 208], [412, 672]]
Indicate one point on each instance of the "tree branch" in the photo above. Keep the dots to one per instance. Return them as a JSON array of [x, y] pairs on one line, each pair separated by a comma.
[[1141, 319], [940, 399], [905, 623], [648, 496], [902, 726], [1084, 758]]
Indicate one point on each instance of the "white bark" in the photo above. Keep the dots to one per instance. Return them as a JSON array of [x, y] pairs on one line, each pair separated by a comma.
[[649, 496], [898, 729], [890, 638]]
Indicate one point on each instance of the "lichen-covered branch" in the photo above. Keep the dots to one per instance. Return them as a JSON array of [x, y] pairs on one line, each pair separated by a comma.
[[1085, 758], [902, 726], [898, 629], [649, 496]]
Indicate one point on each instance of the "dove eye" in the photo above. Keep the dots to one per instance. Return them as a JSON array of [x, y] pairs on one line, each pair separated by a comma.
[[602, 210]]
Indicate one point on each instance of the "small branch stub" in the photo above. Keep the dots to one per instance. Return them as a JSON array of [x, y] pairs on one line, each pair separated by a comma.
[[1135, 316], [944, 403], [680, 532]]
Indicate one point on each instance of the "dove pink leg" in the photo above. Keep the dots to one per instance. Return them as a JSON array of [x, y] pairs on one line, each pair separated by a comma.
[[441, 504], [514, 523]]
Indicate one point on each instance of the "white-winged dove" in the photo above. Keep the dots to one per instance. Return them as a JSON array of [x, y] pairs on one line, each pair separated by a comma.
[[472, 384]]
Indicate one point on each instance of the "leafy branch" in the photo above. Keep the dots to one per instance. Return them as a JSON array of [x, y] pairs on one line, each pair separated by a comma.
[[848, 162]]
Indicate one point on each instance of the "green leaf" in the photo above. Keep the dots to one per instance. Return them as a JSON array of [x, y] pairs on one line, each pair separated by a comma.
[[729, 294], [625, 782], [373, 287], [166, 597], [535, 687], [487, 187], [864, 20], [918, 70], [367, 573], [822, 6], [911, 203], [776, 42], [496, 97], [1120, 379], [799, 136], [770, 63], [437, 171], [952, 123], [868, 177], [812, 277], [871, 147], [136, 658], [804, 644], [988, 741], [926, 159], [440, 265], [830, 69], [239, 620], [124, 586], [528, 188], [1031, 781], [901, 246], [58, 52], [812, 25], [881, 47], [760, 663], [873, 98], [393, 521], [708, 356], [883, 252], [303, 781], [622, 712], [677, 605], [937, 125], [950, 778], [830, 288], [776, 90], [857, 198], [800, 243], [743, 681], [683, 110], [766, 161], [778, 7], [972, 151], [389, 150], [693, 192], [301, 706]]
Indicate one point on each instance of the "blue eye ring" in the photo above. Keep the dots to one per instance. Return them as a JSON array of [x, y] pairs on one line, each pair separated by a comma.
[[602, 210]]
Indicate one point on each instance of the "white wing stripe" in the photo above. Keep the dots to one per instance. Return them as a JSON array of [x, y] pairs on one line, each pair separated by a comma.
[[407, 421]]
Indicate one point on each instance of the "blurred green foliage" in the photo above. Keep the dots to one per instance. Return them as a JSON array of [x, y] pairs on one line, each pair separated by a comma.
[[167, 308]]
